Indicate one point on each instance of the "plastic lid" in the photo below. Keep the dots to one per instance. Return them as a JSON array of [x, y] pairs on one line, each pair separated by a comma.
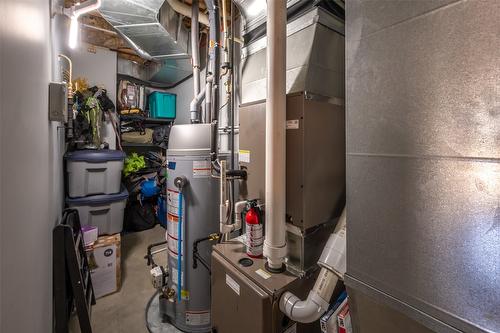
[[95, 156], [96, 200]]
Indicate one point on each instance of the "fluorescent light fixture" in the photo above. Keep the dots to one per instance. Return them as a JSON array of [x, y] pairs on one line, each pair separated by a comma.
[[74, 12], [73, 33]]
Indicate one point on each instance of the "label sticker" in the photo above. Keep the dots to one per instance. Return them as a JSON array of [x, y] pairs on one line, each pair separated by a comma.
[[171, 165], [197, 317], [264, 275], [173, 203], [175, 276], [201, 169], [244, 156], [291, 329], [292, 124], [233, 284]]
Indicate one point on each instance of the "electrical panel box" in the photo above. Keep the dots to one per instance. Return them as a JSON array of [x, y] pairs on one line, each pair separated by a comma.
[[58, 102], [315, 156]]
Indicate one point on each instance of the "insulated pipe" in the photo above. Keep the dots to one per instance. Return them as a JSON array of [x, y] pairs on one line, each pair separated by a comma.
[[195, 50], [213, 70], [333, 267], [194, 106], [185, 10], [275, 241], [226, 228], [222, 198], [208, 99], [226, 34]]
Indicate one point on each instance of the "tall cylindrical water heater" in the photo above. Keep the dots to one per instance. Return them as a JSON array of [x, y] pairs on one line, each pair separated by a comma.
[[192, 214]]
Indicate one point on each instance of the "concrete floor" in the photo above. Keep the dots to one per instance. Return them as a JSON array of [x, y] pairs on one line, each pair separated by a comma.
[[124, 311]]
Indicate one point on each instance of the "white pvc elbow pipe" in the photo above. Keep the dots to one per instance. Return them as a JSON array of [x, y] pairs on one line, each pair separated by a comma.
[[315, 304], [332, 262], [275, 189], [195, 104]]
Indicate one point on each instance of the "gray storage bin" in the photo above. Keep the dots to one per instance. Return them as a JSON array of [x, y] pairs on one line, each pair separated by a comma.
[[102, 211], [93, 172]]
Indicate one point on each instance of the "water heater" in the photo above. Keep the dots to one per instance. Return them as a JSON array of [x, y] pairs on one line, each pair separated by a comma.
[[192, 195]]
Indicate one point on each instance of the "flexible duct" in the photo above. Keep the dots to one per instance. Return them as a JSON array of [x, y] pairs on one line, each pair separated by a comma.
[[333, 267], [185, 10], [275, 241]]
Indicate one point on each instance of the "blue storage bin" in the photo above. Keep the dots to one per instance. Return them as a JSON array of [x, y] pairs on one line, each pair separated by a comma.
[[162, 105]]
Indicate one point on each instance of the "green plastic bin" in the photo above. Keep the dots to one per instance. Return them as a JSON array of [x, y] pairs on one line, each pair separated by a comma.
[[162, 105]]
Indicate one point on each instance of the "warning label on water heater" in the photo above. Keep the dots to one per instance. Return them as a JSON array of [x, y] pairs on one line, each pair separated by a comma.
[[201, 169], [197, 317]]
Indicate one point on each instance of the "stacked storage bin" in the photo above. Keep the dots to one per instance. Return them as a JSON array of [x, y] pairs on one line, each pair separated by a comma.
[[94, 188]]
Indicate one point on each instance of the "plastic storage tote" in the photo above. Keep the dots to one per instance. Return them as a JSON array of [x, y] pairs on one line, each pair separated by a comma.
[[93, 172], [162, 105], [102, 211]]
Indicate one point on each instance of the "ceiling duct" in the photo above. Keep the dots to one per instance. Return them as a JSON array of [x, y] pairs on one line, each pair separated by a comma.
[[157, 31], [255, 14], [314, 58]]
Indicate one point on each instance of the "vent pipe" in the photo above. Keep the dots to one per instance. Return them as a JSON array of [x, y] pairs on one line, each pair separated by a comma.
[[275, 241], [195, 51]]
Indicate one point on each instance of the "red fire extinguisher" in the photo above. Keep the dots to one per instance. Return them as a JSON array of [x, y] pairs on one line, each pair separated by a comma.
[[254, 232]]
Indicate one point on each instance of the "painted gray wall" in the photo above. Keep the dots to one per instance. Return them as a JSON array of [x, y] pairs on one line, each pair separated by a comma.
[[99, 69], [31, 151], [423, 164]]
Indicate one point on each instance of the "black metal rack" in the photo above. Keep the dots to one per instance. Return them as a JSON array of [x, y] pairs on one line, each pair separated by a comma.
[[72, 282]]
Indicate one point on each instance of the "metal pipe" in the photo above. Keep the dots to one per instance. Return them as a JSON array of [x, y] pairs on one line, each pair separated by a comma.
[[213, 69], [275, 241], [208, 99], [223, 204], [185, 10], [231, 108], [333, 267], [195, 51], [226, 33]]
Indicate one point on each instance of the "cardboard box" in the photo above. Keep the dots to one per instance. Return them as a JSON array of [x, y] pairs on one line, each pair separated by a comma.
[[344, 320], [104, 261], [329, 321]]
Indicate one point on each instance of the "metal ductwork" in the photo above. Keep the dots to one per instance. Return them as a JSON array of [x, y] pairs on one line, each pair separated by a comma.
[[157, 33], [315, 58]]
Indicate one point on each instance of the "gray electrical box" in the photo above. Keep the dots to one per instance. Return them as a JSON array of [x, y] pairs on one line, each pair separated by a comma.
[[58, 102]]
